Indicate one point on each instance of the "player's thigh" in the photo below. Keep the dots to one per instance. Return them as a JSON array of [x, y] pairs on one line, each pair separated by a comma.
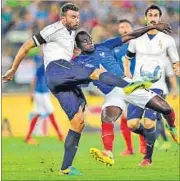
[[140, 97], [134, 115], [71, 100], [38, 104], [61, 74], [47, 104], [115, 98]]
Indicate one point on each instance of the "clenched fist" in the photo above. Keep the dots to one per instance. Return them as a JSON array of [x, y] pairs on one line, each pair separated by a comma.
[[8, 76]]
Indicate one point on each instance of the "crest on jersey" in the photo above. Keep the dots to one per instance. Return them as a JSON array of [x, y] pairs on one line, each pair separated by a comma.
[[160, 44], [102, 54]]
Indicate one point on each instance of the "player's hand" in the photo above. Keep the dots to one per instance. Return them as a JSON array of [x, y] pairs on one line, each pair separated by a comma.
[[164, 27], [8, 76], [174, 93], [176, 68]]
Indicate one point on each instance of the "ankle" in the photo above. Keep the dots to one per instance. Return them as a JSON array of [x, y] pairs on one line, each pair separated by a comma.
[[109, 153]]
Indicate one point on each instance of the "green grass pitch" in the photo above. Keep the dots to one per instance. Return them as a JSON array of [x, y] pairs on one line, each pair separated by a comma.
[[26, 162]]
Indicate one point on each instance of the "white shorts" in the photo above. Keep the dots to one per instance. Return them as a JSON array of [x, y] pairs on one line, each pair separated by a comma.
[[118, 98], [42, 103]]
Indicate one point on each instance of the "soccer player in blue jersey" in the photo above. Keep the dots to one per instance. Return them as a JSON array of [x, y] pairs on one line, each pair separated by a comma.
[[124, 27], [63, 78], [42, 105], [115, 100]]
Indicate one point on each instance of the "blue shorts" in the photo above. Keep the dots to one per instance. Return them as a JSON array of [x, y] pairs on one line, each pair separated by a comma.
[[64, 79], [135, 112]]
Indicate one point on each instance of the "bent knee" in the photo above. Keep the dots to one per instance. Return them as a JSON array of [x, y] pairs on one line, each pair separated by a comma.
[[133, 123], [110, 114], [148, 123], [167, 110], [77, 123], [96, 73]]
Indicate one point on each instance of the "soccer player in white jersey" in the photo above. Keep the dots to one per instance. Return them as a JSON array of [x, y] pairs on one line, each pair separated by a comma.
[[63, 78], [152, 46]]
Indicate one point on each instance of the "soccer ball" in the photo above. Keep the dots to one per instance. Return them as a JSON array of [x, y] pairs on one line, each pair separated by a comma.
[[151, 72]]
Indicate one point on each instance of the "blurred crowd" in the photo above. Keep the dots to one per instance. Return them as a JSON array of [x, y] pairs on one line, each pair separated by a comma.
[[22, 18]]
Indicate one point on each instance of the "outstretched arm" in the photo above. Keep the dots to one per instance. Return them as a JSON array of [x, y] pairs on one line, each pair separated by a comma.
[[164, 27], [24, 49]]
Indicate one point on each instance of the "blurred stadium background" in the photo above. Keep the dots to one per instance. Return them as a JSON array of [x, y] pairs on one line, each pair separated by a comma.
[[20, 20]]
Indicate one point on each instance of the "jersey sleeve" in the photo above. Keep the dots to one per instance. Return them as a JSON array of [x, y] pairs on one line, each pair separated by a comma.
[[112, 43], [131, 51], [45, 35], [168, 69], [172, 51]]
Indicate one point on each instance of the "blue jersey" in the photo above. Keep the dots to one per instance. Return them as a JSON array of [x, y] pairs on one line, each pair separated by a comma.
[[103, 56], [119, 53], [40, 85]]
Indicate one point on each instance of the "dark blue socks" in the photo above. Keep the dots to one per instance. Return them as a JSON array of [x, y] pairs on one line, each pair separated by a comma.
[[150, 137], [70, 146], [140, 130]]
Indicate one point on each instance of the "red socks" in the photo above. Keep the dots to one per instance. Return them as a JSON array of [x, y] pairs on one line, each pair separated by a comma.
[[142, 141], [32, 125], [45, 127], [170, 118], [53, 121], [108, 135], [126, 132]]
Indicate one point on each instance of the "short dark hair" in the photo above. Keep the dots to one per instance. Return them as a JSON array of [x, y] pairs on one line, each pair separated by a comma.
[[125, 21], [153, 7], [68, 6], [83, 32]]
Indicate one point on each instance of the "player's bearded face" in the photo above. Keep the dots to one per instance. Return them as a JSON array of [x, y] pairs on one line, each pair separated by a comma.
[[153, 17], [72, 19]]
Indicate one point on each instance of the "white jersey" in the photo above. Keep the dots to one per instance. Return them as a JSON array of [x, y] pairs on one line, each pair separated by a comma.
[[167, 71], [58, 42], [157, 49]]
